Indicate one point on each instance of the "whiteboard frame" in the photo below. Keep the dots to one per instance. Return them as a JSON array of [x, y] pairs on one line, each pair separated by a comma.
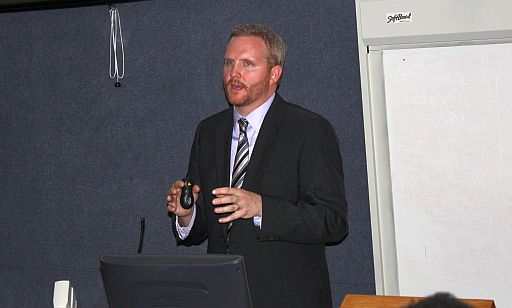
[[470, 25]]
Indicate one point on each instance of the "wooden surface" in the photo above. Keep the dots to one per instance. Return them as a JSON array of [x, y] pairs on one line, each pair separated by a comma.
[[378, 301]]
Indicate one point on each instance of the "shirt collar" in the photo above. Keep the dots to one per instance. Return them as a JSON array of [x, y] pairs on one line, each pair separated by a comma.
[[256, 117]]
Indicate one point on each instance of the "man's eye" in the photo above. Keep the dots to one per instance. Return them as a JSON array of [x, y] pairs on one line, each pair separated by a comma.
[[228, 62]]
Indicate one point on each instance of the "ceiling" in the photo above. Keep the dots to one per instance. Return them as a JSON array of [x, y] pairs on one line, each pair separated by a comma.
[[24, 5]]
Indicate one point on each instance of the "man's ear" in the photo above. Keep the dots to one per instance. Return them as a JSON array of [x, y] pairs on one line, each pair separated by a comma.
[[275, 74]]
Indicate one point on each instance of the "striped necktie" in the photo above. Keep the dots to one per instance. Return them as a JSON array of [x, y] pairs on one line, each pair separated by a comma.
[[240, 165], [242, 155]]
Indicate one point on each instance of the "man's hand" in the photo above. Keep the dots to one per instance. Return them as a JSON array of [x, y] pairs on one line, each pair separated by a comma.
[[174, 205], [239, 202]]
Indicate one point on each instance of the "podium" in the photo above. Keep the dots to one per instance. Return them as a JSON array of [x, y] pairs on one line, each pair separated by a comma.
[[380, 301]]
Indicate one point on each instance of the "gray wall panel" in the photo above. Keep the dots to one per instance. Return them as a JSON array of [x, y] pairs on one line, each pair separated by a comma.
[[82, 161]]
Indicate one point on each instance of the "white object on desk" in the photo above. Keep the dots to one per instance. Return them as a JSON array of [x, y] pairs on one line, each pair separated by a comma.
[[64, 295]]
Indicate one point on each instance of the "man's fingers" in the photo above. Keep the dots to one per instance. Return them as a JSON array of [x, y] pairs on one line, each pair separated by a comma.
[[175, 189], [227, 209], [233, 216], [171, 207], [224, 191], [227, 195], [225, 200]]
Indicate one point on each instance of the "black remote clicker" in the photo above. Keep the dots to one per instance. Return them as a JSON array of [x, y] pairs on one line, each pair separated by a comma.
[[187, 197]]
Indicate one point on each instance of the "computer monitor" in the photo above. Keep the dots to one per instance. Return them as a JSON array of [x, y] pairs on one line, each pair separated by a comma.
[[165, 281]]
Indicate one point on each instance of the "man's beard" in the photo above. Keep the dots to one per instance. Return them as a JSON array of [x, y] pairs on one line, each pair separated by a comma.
[[252, 93]]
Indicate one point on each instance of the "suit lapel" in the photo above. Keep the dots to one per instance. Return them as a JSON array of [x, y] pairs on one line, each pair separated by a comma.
[[268, 133], [223, 149], [223, 152]]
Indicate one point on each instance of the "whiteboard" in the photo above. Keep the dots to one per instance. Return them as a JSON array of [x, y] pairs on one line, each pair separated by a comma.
[[449, 121]]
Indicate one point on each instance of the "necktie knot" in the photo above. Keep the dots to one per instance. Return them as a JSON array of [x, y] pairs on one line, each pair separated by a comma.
[[242, 123]]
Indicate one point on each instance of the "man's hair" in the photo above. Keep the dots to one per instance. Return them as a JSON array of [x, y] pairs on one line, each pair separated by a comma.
[[439, 300], [273, 41]]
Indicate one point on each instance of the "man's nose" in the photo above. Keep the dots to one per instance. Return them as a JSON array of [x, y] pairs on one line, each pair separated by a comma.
[[235, 70]]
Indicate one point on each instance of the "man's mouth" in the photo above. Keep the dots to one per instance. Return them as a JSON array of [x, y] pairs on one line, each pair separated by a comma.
[[237, 86]]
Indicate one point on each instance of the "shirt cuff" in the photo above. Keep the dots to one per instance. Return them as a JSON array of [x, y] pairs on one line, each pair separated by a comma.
[[257, 221], [184, 231]]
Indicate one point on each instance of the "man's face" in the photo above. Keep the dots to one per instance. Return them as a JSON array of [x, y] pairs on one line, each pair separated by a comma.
[[247, 75]]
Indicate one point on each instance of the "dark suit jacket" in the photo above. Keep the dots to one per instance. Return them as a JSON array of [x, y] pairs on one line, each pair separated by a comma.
[[296, 167]]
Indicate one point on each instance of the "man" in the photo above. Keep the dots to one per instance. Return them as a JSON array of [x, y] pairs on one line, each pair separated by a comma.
[[269, 180]]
